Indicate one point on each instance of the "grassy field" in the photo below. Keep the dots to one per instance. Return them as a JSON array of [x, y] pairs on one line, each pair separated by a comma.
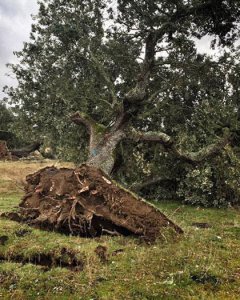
[[204, 263]]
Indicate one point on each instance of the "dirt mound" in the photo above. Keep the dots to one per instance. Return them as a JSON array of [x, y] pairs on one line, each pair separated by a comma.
[[86, 202]]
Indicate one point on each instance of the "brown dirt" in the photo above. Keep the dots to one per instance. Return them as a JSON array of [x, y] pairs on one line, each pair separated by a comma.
[[86, 202], [66, 259], [101, 252]]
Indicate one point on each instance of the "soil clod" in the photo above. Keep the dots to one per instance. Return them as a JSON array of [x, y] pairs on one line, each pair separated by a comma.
[[22, 232], [201, 225], [101, 252], [118, 251]]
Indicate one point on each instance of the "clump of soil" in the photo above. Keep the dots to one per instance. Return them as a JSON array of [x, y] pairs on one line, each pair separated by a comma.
[[201, 225], [86, 202], [101, 252], [22, 232]]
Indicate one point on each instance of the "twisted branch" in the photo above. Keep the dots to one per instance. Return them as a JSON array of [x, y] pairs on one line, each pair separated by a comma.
[[170, 145]]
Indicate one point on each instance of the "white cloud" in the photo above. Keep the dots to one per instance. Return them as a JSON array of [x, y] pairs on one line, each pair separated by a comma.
[[15, 26]]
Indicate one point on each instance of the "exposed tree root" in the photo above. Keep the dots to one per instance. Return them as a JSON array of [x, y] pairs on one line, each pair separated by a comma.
[[86, 202]]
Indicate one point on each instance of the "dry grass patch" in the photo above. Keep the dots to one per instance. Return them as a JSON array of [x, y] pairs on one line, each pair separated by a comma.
[[13, 174], [18, 170]]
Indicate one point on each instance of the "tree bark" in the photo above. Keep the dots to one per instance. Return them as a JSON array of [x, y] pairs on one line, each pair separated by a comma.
[[189, 156], [103, 156], [102, 144], [136, 187]]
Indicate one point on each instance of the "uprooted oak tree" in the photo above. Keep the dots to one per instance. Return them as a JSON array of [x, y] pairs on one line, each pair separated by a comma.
[[125, 67]]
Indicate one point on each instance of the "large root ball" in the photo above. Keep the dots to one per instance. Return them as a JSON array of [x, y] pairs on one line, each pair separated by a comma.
[[86, 202]]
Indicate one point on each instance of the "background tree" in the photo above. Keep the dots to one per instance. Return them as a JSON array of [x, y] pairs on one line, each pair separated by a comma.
[[7, 120], [6, 117], [132, 72]]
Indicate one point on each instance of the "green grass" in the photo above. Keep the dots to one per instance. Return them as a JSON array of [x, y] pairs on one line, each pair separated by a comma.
[[201, 264]]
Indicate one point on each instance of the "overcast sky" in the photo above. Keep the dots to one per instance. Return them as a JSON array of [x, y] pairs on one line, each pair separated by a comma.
[[15, 26]]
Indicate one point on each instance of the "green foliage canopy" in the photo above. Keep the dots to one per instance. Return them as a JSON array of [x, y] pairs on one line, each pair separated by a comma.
[[87, 55]]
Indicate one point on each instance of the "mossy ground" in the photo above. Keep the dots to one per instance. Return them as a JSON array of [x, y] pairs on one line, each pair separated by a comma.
[[201, 264]]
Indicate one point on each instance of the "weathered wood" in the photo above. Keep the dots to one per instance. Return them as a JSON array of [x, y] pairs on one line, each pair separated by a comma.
[[24, 152]]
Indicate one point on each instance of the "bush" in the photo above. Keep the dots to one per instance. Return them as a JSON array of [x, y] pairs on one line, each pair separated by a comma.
[[213, 183]]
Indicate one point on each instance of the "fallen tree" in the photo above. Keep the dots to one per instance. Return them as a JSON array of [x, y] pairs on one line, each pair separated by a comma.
[[25, 152], [111, 73], [15, 154]]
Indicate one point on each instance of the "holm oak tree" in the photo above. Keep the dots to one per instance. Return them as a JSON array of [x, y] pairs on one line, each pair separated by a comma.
[[129, 71]]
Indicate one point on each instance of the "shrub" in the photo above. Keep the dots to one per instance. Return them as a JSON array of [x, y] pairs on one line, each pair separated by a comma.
[[213, 183]]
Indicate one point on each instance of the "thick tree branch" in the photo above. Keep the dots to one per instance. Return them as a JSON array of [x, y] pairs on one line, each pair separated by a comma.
[[150, 181], [138, 93], [81, 118], [106, 78], [205, 153], [152, 136], [170, 145], [133, 100]]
